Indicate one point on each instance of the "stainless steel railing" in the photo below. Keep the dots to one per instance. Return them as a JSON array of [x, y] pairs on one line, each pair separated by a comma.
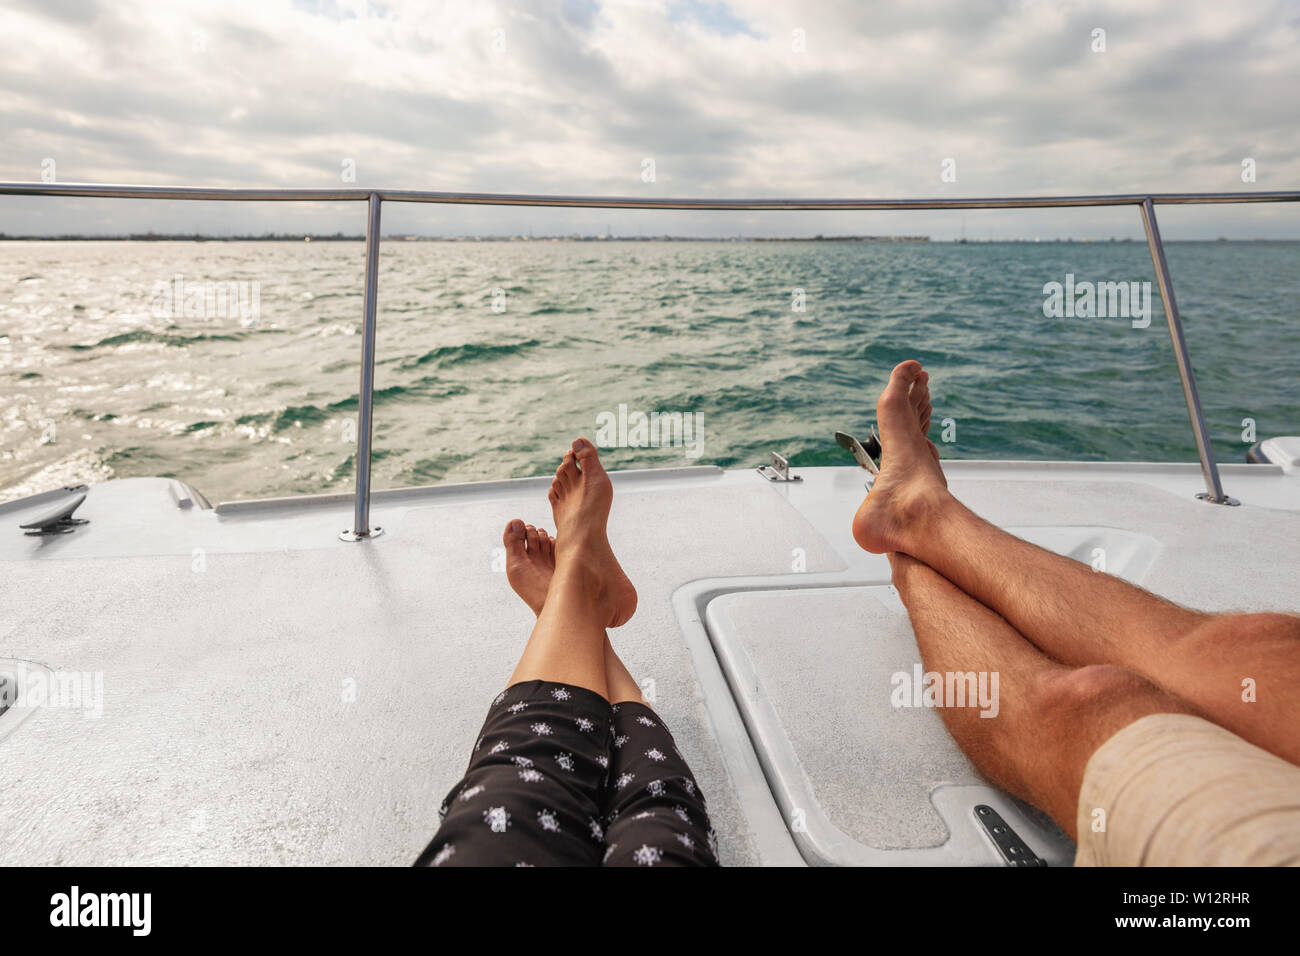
[[374, 198]]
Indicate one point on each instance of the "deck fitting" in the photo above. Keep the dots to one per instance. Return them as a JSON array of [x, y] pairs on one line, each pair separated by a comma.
[[778, 470], [1013, 849], [1225, 500]]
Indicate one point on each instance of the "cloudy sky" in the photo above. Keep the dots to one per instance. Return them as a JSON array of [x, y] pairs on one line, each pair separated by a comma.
[[748, 98]]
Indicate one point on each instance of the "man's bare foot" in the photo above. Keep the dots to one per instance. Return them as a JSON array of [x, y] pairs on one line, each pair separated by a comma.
[[530, 562], [911, 484], [581, 496]]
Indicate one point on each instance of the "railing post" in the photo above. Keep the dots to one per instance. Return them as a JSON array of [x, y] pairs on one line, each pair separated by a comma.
[[366, 397], [1209, 469]]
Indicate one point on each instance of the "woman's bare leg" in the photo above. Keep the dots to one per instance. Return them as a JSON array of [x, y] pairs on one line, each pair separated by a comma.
[[530, 565], [588, 591], [622, 685]]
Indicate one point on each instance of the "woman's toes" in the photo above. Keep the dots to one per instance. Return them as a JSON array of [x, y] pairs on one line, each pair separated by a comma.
[[553, 496], [514, 537]]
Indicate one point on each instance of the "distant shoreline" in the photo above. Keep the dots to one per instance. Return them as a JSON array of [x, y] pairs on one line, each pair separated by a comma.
[[337, 237]]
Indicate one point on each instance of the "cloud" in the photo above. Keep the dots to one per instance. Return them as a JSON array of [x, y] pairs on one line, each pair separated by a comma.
[[729, 99]]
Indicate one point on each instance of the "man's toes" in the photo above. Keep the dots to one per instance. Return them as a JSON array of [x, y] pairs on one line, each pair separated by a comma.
[[588, 457], [905, 373], [544, 544], [514, 538], [895, 400], [920, 393], [531, 534]]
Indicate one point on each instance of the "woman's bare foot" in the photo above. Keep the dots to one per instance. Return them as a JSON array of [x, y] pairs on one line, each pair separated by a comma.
[[581, 496], [530, 565], [530, 562], [911, 485]]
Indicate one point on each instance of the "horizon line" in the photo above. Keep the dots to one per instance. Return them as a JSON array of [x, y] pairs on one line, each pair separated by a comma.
[[590, 237]]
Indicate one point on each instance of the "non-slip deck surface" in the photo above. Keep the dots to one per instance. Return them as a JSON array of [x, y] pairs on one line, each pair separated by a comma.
[[272, 695], [315, 706]]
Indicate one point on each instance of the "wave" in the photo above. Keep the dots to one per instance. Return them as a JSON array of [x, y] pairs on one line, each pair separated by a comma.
[[447, 355], [171, 339], [561, 310], [301, 416]]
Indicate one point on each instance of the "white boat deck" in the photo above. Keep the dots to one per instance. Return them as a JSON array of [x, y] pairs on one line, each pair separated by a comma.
[[271, 694]]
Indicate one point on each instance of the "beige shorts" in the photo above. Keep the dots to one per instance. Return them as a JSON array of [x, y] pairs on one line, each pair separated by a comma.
[[1176, 790]]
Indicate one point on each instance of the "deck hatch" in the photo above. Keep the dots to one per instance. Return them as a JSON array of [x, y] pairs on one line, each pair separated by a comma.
[[863, 774]]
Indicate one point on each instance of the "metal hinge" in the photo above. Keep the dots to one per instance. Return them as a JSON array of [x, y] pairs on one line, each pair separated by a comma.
[[1013, 849], [778, 470]]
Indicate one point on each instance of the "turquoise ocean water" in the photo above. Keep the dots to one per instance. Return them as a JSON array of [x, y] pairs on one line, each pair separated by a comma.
[[492, 355]]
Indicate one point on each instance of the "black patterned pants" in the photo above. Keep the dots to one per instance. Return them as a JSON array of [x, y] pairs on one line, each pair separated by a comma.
[[559, 777]]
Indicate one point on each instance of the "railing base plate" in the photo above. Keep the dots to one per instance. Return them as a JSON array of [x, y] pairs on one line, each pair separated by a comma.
[[353, 536], [1225, 500]]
